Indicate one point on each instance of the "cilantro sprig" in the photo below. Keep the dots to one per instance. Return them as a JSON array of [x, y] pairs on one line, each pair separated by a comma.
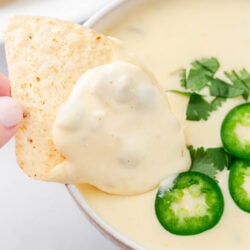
[[203, 74], [209, 161]]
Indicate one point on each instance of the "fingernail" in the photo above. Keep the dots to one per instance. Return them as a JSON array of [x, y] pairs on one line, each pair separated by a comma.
[[10, 112]]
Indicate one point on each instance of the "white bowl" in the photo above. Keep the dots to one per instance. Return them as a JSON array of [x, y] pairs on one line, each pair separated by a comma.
[[98, 22]]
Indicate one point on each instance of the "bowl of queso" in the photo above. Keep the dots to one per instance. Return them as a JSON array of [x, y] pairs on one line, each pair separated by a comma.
[[198, 54]]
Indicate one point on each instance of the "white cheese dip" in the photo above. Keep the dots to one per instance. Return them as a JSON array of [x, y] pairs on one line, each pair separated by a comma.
[[134, 217], [117, 133], [167, 35]]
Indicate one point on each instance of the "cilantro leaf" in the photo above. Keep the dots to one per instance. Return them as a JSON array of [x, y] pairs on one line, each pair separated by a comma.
[[209, 64], [197, 79], [239, 82], [245, 76], [199, 108], [200, 73], [220, 88], [216, 103], [209, 161]]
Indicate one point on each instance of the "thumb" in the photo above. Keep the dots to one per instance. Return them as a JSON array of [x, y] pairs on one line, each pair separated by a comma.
[[10, 116]]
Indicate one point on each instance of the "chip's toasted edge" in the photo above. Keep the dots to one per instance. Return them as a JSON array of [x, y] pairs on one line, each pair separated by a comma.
[[45, 59]]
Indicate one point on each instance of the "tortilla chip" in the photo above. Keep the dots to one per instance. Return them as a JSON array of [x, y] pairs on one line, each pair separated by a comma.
[[45, 59]]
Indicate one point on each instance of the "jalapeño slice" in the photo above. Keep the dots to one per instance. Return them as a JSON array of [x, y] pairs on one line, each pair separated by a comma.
[[239, 183], [235, 131], [192, 204]]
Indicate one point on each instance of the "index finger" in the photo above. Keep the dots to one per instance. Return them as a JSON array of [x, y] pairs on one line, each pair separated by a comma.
[[4, 86]]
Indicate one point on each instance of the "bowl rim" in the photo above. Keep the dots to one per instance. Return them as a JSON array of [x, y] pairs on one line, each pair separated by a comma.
[[92, 21], [103, 227]]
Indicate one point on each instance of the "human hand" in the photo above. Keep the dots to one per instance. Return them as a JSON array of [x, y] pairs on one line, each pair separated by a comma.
[[10, 112]]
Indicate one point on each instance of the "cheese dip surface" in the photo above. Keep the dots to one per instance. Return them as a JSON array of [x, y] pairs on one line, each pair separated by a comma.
[[167, 35], [117, 133]]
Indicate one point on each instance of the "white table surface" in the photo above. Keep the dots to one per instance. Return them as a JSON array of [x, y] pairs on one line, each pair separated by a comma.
[[36, 215]]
